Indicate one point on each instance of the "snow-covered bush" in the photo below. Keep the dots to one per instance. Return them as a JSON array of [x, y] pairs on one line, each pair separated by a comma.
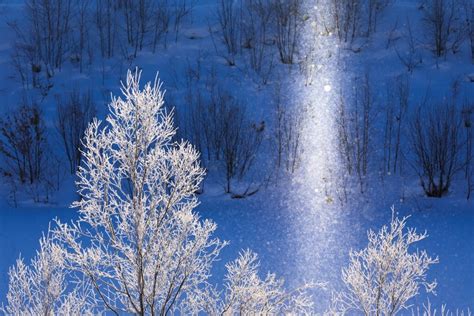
[[138, 247], [382, 278]]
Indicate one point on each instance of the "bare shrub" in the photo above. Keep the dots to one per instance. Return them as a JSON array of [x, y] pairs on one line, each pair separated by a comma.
[[162, 19], [82, 35], [27, 161], [444, 25], [256, 27], [198, 120], [47, 31], [396, 112], [241, 143], [355, 138], [73, 117], [25, 58], [107, 26], [375, 8], [410, 57], [435, 139], [227, 137], [345, 18], [288, 134], [288, 23], [467, 117], [136, 18], [468, 8], [181, 10], [23, 143], [230, 26], [217, 124]]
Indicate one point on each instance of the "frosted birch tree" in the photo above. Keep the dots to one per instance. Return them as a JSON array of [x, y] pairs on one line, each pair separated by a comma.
[[138, 240], [247, 294], [138, 247], [384, 276], [40, 288]]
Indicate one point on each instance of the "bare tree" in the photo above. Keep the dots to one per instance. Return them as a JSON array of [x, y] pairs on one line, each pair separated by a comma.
[[241, 142], [444, 27], [217, 123], [150, 253], [288, 134], [230, 26], [410, 57], [29, 164], [346, 17], [468, 8], [355, 137], [81, 46], [40, 288], [162, 19], [436, 144], [23, 143], [288, 22], [256, 27], [138, 16], [467, 113], [181, 10], [398, 103], [49, 25], [73, 116], [375, 8], [107, 26]]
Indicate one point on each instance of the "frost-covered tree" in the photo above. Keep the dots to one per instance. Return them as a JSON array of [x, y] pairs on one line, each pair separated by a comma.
[[138, 247], [428, 310], [138, 240], [40, 288], [247, 294], [383, 277]]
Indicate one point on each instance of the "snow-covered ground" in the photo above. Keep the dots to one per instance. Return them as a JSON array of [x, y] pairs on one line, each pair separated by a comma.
[[297, 232]]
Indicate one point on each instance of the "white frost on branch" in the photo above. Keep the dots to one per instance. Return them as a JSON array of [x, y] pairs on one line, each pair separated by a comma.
[[138, 247], [382, 278], [428, 310], [138, 240], [40, 288], [247, 294]]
